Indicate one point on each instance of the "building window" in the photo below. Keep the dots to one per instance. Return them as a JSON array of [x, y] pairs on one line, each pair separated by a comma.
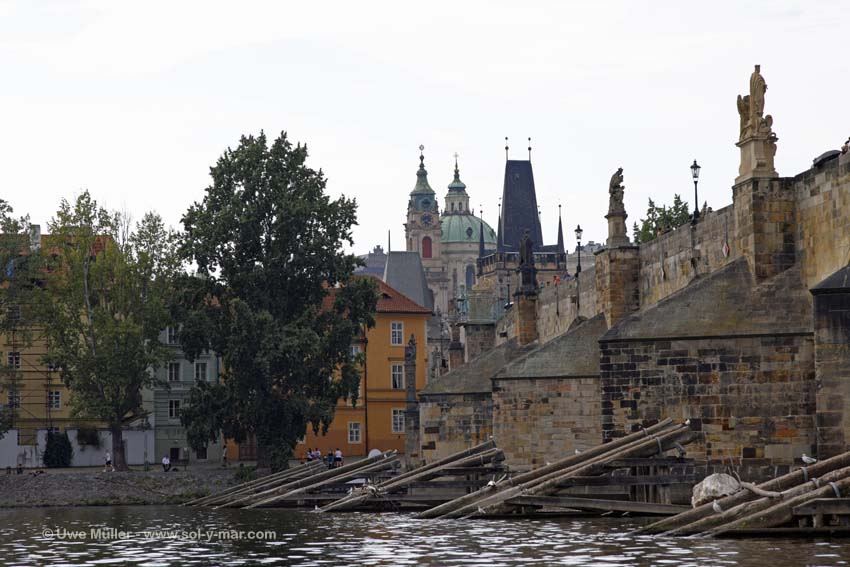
[[54, 399], [14, 400], [52, 367], [470, 276], [426, 247], [355, 351], [173, 371], [398, 420], [13, 359], [201, 454], [171, 335], [397, 375], [396, 333], [200, 371], [354, 432], [173, 409]]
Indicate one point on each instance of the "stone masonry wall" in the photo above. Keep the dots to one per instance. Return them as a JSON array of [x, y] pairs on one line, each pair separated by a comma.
[[751, 398], [823, 219], [454, 422], [545, 419]]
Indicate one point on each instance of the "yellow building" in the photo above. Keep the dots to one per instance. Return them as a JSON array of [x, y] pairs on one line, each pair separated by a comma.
[[377, 421], [32, 389]]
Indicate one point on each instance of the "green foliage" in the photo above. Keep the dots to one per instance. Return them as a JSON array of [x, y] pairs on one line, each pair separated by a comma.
[[274, 296], [101, 308], [58, 451], [244, 474], [88, 436], [661, 219], [15, 266]]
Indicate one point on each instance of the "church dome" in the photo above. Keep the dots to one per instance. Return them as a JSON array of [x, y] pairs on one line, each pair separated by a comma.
[[465, 228]]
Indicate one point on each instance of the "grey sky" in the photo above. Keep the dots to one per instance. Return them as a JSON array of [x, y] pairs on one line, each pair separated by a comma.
[[135, 101]]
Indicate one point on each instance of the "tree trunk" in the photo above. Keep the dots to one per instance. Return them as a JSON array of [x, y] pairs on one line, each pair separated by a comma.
[[118, 461]]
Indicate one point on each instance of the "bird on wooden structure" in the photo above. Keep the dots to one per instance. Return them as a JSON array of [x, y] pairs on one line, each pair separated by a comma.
[[716, 507], [688, 421], [808, 460], [578, 452]]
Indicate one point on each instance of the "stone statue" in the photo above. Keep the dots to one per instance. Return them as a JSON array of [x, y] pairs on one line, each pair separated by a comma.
[[751, 108], [526, 250], [615, 191], [410, 350], [757, 140]]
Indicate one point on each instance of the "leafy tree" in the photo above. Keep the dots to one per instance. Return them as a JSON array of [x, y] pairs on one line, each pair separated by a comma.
[[14, 267], [58, 451], [101, 308], [661, 219], [273, 296]]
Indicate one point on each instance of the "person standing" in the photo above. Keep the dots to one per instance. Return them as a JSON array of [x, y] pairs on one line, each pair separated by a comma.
[[107, 463], [166, 463], [337, 458], [224, 455]]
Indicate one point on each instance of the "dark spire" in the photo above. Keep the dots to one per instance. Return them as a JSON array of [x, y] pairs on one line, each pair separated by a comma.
[[519, 207], [481, 251], [499, 246], [560, 232], [529, 148]]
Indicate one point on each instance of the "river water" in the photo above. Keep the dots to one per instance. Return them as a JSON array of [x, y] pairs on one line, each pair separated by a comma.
[[159, 536]]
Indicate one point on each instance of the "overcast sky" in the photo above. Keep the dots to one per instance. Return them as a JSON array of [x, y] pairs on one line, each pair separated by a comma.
[[135, 100]]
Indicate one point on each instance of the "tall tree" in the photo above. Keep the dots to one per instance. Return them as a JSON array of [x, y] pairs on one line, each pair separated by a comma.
[[102, 307], [273, 296], [15, 248], [661, 219]]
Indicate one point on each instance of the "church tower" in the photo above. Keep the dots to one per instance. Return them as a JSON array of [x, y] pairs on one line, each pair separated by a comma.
[[423, 227]]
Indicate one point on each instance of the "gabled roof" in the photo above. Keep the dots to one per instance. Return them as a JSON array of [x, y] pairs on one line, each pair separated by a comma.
[[403, 271], [393, 301]]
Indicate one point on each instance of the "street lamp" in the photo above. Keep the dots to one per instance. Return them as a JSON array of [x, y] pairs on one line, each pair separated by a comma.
[[695, 173], [578, 269], [579, 232]]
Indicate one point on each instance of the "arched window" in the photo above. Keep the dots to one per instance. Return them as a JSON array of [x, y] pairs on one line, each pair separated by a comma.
[[470, 276], [426, 247]]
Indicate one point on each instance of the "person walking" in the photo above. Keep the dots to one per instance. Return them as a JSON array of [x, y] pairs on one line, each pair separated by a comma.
[[224, 455], [107, 463], [166, 463]]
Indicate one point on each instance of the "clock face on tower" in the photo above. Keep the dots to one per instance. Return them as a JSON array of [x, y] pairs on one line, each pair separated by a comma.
[[426, 220]]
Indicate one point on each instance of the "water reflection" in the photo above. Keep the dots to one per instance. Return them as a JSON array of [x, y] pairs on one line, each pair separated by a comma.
[[172, 536]]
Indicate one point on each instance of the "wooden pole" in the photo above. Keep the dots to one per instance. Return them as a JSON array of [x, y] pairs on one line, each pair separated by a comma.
[[548, 484], [782, 512], [367, 493], [793, 478], [330, 473], [754, 506], [558, 465], [257, 485]]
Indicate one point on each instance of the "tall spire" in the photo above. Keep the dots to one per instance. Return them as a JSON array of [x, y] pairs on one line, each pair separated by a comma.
[[560, 232], [481, 250], [422, 185]]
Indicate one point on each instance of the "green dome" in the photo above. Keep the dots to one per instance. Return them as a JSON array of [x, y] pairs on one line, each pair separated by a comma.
[[465, 228]]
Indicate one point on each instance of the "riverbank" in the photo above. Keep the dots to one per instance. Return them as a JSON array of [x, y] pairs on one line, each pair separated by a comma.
[[91, 487]]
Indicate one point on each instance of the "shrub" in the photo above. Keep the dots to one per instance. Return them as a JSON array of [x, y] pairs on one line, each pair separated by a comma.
[[58, 452], [88, 436]]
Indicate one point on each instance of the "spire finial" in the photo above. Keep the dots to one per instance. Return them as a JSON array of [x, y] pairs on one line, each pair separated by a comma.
[[421, 156], [529, 148], [506, 147]]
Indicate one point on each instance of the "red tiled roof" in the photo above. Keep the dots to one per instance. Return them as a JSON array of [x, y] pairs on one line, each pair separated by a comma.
[[390, 300]]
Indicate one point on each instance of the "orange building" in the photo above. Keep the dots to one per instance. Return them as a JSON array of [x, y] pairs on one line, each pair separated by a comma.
[[377, 421]]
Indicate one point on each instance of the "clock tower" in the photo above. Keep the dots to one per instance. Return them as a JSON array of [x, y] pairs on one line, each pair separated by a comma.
[[423, 229]]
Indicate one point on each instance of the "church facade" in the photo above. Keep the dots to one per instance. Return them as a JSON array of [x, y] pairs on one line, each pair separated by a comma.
[[448, 241]]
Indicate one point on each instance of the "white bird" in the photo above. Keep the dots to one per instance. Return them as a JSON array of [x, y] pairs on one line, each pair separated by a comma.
[[808, 460], [578, 452], [716, 507], [688, 421]]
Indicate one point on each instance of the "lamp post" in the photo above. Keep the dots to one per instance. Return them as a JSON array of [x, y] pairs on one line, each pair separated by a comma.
[[695, 173], [578, 269]]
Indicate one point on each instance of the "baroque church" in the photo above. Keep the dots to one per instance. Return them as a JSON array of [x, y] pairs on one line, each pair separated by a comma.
[[449, 242]]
